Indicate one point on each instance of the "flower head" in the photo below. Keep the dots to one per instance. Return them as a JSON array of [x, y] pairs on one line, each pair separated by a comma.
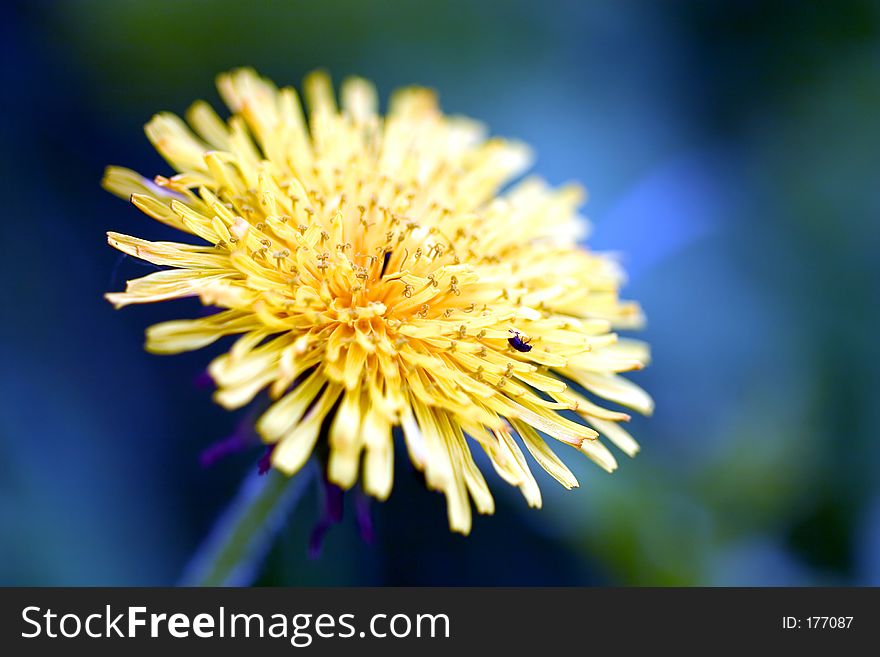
[[377, 277]]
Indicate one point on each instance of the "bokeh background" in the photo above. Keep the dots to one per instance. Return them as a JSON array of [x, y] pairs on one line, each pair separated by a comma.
[[732, 153]]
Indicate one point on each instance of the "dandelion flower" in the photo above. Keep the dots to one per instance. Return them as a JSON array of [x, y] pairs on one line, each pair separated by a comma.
[[378, 276]]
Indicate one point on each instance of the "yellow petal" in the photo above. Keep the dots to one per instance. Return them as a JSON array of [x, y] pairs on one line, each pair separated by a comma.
[[284, 414], [189, 334], [346, 441], [545, 457], [614, 388], [379, 458], [616, 434], [171, 137], [296, 446]]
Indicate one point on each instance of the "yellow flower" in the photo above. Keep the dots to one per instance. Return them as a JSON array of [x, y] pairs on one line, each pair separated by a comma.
[[377, 278]]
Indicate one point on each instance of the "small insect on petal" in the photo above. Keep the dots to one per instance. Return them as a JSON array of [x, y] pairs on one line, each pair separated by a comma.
[[518, 342]]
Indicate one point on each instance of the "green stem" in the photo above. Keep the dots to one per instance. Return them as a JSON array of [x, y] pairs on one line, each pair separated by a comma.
[[233, 552]]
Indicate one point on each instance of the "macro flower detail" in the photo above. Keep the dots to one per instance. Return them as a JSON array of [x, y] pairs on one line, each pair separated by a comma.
[[379, 272]]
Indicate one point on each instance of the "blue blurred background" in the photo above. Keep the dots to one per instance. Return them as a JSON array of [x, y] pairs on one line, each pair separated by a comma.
[[732, 153]]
